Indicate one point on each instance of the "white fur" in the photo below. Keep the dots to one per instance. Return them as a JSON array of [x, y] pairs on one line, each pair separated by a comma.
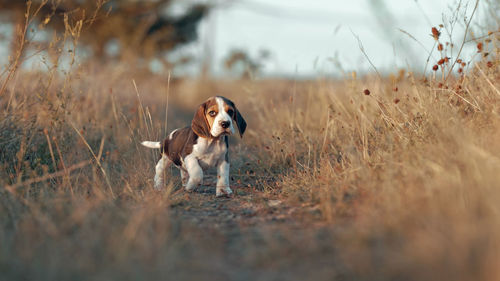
[[172, 134], [223, 179], [208, 153], [194, 171], [222, 116], [151, 144]]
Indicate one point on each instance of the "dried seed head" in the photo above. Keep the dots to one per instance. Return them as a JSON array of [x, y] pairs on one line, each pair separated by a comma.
[[463, 64], [396, 100], [479, 47], [489, 64], [460, 70], [441, 61], [366, 92], [435, 67], [435, 33], [440, 47]]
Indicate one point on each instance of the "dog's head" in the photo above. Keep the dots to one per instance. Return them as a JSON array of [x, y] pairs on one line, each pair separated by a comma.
[[217, 116]]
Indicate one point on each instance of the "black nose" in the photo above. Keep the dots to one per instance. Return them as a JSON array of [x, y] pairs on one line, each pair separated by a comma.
[[224, 124]]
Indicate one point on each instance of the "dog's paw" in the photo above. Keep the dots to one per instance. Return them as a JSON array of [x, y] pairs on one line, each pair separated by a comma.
[[223, 192]]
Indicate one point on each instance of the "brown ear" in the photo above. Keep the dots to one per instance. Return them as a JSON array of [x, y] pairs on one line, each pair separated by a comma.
[[200, 124], [240, 122]]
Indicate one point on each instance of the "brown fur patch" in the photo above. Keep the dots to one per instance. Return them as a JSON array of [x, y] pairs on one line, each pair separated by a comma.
[[180, 145], [211, 106], [200, 123]]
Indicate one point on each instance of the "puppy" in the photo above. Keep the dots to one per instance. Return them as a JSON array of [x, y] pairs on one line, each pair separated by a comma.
[[202, 145]]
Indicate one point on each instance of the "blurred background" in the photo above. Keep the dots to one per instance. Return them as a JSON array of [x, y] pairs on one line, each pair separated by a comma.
[[243, 38], [343, 173]]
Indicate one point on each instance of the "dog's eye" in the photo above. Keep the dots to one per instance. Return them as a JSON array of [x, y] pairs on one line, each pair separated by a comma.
[[230, 112], [212, 113]]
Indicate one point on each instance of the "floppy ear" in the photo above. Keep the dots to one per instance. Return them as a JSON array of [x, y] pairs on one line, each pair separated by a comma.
[[200, 124], [240, 122]]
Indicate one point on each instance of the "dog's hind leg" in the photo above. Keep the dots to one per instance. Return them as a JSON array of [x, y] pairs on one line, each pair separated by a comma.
[[162, 164], [184, 176]]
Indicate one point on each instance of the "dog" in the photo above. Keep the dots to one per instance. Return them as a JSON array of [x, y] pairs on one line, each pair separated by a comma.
[[202, 145]]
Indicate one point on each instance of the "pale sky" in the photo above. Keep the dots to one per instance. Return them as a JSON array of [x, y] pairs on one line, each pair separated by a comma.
[[311, 37], [306, 37]]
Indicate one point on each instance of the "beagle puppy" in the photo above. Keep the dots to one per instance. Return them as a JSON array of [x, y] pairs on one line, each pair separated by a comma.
[[202, 145]]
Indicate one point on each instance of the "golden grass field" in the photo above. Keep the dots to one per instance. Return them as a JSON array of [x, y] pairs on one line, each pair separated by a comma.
[[332, 182]]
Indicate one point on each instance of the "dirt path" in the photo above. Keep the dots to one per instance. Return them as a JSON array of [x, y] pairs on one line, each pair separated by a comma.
[[254, 236], [247, 207]]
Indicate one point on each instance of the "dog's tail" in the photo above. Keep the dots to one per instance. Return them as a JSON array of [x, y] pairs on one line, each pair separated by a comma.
[[151, 144]]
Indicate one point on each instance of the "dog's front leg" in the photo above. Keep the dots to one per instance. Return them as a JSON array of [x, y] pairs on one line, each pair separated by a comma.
[[195, 173], [223, 188]]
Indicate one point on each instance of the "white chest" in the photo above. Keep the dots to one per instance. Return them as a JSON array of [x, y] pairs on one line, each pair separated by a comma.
[[209, 152]]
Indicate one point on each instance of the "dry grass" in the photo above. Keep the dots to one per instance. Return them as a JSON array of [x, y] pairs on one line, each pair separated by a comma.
[[404, 177]]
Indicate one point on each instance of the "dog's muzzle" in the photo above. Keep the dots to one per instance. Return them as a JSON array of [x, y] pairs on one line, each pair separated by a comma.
[[225, 124]]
